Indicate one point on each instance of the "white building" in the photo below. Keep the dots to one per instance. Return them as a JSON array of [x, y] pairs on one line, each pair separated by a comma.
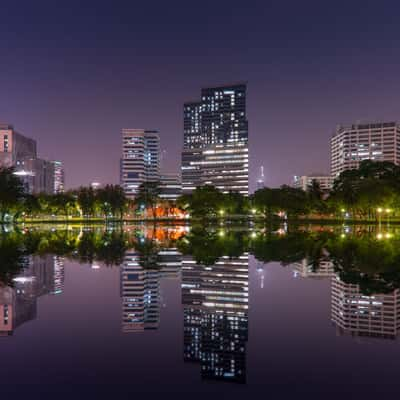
[[170, 186], [305, 181], [59, 177], [140, 159], [372, 141]]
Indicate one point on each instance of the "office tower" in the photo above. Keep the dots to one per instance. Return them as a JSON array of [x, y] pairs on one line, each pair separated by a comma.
[[215, 140], [304, 182], [357, 314], [36, 174], [170, 186], [373, 141], [14, 146], [261, 179], [140, 294], [215, 300], [140, 159], [58, 177]]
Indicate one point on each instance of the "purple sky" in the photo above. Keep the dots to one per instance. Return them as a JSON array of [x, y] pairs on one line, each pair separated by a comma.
[[71, 76]]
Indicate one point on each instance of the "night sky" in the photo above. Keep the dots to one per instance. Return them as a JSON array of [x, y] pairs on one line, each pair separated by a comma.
[[72, 74]]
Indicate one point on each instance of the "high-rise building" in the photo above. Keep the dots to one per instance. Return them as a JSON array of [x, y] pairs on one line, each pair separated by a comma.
[[19, 152], [170, 186], [58, 177], [36, 174], [14, 147], [140, 159], [215, 140], [305, 181], [215, 300], [352, 144]]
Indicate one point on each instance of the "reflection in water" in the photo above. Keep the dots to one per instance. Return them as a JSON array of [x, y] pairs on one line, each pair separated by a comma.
[[141, 273], [40, 275], [360, 315], [140, 290], [362, 266], [215, 300]]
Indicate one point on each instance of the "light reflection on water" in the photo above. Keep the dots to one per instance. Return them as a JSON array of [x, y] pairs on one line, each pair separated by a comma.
[[217, 289]]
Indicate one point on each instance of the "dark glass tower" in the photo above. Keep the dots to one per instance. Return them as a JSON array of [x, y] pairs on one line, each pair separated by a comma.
[[215, 148]]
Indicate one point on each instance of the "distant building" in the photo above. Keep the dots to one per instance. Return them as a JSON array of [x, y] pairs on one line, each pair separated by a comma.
[[58, 177], [170, 186], [352, 144], [215, 140], [14, 147], [20, 152], [261, 179], [140, 159], [305, 181], [37, 175]]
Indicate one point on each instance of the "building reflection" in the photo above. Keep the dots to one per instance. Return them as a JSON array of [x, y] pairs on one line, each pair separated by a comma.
[[215, 300], [307, 269], [39, 276], [140, 287], [357, 314]]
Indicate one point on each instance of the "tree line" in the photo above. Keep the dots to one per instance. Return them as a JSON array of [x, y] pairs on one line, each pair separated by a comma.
[[371, 192]]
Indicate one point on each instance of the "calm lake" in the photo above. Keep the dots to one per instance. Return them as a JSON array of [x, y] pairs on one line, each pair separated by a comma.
[[192, 310]]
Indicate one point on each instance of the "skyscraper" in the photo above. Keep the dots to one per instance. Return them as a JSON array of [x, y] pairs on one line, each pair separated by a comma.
[[372, 141], [58, 177], [215, 144], [140, 159]]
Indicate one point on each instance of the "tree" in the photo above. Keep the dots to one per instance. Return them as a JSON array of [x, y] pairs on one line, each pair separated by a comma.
[[112, 200], [148, 196], [205, 201], [86, 198], [63, 202], [11, 192]]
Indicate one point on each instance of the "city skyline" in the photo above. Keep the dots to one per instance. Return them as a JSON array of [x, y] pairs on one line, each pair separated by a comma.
[[108, 73]]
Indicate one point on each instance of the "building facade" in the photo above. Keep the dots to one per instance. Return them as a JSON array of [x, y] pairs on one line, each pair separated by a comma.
[[140, 159], [305, 181], [170, 186], [373, 141], [36, 174], [14, 147], [215, 145], [58, 177]]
